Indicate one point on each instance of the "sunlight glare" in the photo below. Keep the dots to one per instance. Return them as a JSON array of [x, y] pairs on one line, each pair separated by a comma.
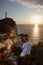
[[36, 28], [36, 19], [36, 34]]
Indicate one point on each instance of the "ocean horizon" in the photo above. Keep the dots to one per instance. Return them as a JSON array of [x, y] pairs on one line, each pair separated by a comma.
[[35, 32]]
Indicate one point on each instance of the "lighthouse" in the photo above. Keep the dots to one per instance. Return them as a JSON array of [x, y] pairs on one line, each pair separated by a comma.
[[5, 14]]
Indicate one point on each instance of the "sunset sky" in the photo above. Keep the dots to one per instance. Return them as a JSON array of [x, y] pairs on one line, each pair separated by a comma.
[[22, 11]]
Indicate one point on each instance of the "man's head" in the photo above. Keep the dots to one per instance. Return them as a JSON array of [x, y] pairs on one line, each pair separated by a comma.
[[24, 37], [8, 28]]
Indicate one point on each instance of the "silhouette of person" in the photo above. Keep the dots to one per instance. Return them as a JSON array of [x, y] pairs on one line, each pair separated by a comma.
[[26, 46]]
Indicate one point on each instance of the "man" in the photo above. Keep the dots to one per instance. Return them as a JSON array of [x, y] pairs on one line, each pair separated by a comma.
[[26, 46], [8, 34]]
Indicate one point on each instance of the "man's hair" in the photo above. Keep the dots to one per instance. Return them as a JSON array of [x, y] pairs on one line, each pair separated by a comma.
[[24, 37]]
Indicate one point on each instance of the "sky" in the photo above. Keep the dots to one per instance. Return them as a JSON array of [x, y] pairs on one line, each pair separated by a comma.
[[22, 11]]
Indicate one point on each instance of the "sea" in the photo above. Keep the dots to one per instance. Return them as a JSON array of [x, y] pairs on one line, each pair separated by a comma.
[[35, 31]]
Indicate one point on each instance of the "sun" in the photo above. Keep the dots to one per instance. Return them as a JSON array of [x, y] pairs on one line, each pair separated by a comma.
[[36, 19]]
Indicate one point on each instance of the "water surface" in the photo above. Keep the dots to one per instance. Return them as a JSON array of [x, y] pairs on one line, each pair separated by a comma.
[[34, 31]]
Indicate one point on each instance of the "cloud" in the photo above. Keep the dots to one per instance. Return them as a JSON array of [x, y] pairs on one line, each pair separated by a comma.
[[30, 3]]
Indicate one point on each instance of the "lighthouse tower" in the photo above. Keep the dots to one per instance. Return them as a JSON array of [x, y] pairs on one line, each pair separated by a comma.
[[5, 14]]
